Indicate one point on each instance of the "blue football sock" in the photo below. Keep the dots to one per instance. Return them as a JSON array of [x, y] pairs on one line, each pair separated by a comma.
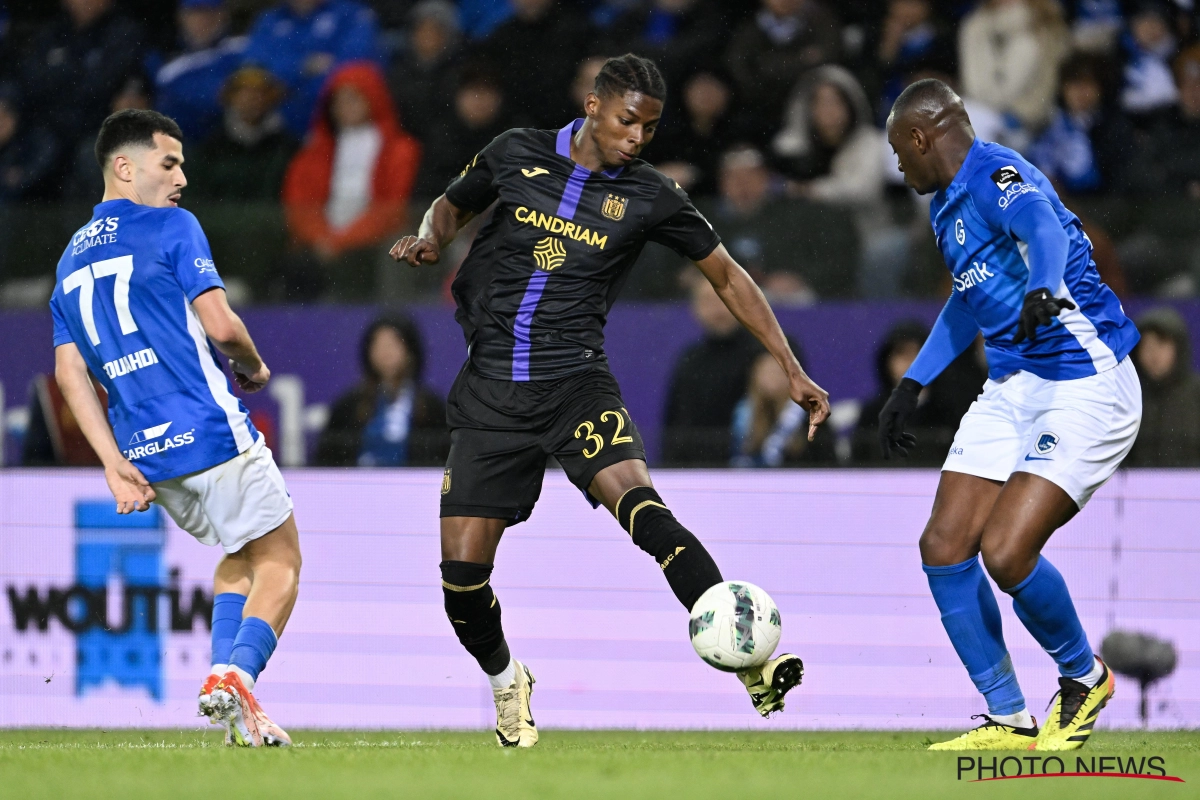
[[971, 617], [226, 619], [255, 643], [1044, 605]]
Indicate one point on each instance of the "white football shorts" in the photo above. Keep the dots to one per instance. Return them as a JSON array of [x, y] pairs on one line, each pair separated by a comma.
[[1072, 433], [229, 504]]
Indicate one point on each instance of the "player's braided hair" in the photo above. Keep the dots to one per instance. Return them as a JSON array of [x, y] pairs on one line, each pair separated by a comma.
[[133, 126], [630, 73]]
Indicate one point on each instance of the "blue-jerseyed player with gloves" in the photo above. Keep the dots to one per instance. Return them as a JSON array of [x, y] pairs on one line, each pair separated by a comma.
[[137, 302], [1059, 412]]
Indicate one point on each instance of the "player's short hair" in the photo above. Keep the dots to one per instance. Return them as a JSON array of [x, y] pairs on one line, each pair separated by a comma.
[[133, 126], [928, 97], [630, 73]]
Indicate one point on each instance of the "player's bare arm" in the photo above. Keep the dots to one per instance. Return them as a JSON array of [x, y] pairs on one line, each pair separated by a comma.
[[228, 333], [746, 302], [441, 224], [130, 488]]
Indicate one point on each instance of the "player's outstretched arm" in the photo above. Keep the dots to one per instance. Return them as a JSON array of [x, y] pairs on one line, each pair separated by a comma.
[[441, 224], [229, 335], [130, 488], [742, 297]]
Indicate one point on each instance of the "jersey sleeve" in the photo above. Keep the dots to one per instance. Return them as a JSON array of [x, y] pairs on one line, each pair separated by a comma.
[[1000, 189], [186, 251], [953, 333], [678, 225], [475, 187], [62, 334]]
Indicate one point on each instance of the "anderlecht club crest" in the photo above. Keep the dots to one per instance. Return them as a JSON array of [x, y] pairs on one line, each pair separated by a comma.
[[614, 207]]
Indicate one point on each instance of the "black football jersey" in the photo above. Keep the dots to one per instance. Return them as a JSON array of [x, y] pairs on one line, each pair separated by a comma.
[[534, 292]]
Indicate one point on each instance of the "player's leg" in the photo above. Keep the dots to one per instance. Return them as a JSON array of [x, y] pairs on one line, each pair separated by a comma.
[[987, 444], [1074, 446], [492, 480], [625, 489], [950, 558]]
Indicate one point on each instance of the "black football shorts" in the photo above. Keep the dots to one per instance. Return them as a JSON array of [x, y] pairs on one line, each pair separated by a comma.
[[503, 432]]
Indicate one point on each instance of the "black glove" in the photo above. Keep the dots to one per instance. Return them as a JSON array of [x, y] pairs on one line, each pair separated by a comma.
[[894, 416], [1040, 307]]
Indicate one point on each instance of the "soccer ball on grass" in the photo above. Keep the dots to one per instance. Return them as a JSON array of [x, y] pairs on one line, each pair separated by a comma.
[[734, 626]]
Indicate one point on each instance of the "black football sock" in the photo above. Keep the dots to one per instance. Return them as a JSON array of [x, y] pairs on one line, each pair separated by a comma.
[[686, 564], [474, 612]]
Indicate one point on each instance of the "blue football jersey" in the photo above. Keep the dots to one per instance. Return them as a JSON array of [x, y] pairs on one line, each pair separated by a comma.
[[123, 295], [971, 219]]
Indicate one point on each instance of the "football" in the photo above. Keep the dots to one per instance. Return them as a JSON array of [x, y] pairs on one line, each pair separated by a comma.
[[735, 625]]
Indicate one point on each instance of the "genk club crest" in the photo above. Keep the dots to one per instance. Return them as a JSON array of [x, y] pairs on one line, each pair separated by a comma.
[[614, 207]]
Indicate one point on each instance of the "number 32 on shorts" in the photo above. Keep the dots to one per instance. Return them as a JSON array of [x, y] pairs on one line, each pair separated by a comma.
[[595, 441]]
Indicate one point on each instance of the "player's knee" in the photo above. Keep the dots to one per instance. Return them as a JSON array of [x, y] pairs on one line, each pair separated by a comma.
[[944, 544], [1007, 563]]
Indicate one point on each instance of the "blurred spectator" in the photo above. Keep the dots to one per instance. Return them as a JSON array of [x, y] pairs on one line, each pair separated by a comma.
[[773, 238], [390, 419], [707, 382], [942, 404], [769, 53], [533, 54], [1095, 25], [694, 144], [476, 119], [188, 87], [77, 64], [302, 41], [481, 17], [913, 40], [422, 78], [832, 153], [247, 156], [1089, 142], [347, 189], [679, 35], [828, 144], [84, 182], [28, 156], [585, 81], [1150, 44], [1169, 162], [1170, 432], [769, 429], [1009, 52]]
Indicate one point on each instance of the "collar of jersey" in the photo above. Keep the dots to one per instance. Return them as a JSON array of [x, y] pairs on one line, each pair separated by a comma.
[[965, 170], [563, 146], [109, 203]]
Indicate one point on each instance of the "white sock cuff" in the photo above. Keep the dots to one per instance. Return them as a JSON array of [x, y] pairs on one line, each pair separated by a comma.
[[505, 678]]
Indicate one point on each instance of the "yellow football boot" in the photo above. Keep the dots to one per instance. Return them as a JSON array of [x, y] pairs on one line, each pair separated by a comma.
[[992, 735], [770, 682], [514, 719], [1076, 708]]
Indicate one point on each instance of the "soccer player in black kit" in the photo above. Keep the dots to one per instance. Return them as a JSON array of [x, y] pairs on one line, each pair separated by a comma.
[[573, 208]]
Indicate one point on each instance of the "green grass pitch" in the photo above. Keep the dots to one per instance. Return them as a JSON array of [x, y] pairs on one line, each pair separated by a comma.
[[662, 765]]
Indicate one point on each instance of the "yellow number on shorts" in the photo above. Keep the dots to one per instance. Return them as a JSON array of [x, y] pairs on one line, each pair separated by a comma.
[[587, 430], [617, 437]]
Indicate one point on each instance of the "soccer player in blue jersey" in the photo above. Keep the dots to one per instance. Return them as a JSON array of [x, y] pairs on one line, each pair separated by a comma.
[[139, 304], [1060, 410]]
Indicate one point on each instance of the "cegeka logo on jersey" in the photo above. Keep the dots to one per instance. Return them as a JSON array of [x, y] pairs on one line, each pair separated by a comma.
[[147, 442]]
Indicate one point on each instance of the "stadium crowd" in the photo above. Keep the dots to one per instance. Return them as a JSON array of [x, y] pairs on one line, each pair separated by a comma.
[[317, 130], [354, 114]]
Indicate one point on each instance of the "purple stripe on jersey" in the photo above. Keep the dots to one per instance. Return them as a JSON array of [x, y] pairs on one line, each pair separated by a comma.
[[572, 192], [524, 321]]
